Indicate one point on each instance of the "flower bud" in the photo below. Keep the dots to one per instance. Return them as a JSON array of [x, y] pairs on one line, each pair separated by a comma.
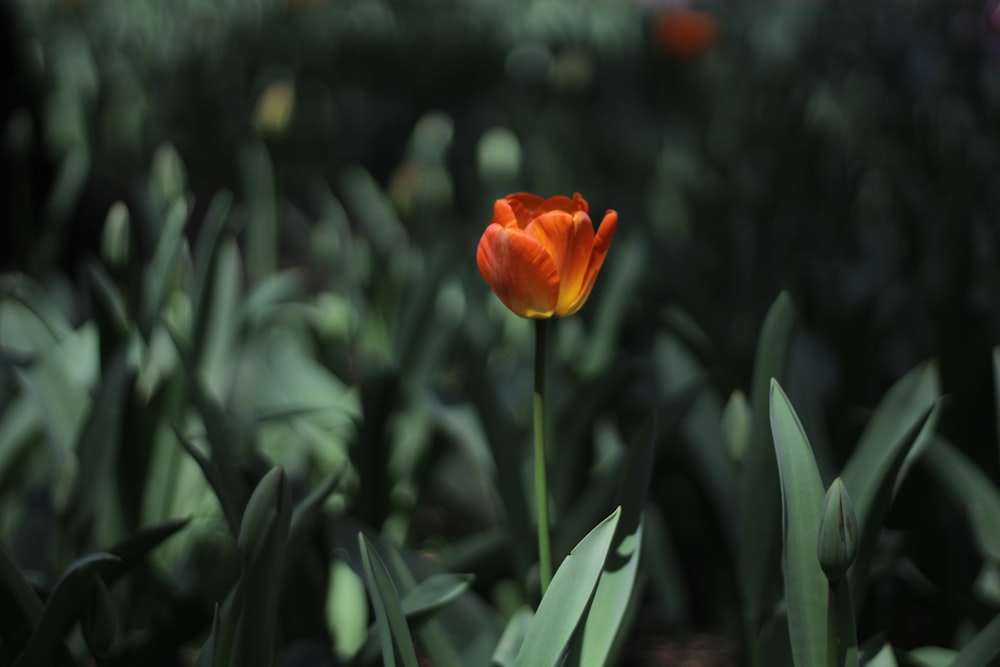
[[838, 532]]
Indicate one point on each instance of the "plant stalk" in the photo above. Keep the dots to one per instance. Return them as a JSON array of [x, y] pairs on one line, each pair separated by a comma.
[[541, 486]]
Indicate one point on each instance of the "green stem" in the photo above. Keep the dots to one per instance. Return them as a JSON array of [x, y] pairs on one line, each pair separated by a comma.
[[541, 488], [832, 628]]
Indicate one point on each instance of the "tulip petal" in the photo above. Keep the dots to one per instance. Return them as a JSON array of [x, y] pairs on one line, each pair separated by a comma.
[[520, 271], [602, 242], [561, 203], [503, 214], [569, 239], [524, 205]]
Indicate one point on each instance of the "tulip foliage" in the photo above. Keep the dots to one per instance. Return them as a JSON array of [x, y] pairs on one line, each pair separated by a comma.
[[272, 394]]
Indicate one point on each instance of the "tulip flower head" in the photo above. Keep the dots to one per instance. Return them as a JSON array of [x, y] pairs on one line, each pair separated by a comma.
[[685, 33], [541, 256]]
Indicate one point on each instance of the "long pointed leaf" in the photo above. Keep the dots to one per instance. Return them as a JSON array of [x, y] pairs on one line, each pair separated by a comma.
[[806, 587], [615, 591], [19, 588], [206, 268], [133, 548], [972, 490], [567, 598], [902, 422], [433, 593], [215, 479], [394, 633], [983, 648], [263, 533], [759, 497], [245, 631], [62, 609], [513, 637], [96, 498]]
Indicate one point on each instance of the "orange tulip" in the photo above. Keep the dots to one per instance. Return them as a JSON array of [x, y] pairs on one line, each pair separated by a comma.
[[541, 256], [685, 33]]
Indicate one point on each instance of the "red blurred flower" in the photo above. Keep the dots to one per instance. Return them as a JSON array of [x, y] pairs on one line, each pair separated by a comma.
[[541, 256], [685, 33]]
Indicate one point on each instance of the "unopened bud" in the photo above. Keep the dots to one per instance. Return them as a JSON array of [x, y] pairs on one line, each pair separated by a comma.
[[838, 532]]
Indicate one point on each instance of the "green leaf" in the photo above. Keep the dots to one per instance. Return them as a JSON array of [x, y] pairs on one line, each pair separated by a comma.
[[252, 619], [162, 269], [207, 268], [136, 546], [931, 656], [394, 633], [107, 295], [96, 503], [244, 629], [513, 637], [21, 592], [972, 490], [433, 593], [982, 649], [63, 609], [905, 404], [30, 294], [306, 513], [902, 422], [461, 632], [99, 620], [758, 484], [215, 479], [567, 598], [806, 587], [614, 596], [884, 657]]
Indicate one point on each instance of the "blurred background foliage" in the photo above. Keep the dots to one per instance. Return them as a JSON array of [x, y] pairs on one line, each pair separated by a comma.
[[239, 234]]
